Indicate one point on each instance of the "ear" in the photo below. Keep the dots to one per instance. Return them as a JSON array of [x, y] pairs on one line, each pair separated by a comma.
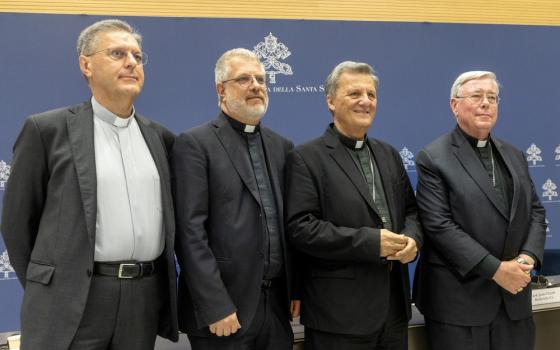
[[330, 103], [453, 104], [220, 90], [85, 66]]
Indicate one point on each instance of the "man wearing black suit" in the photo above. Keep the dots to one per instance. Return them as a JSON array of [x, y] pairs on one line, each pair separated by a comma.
[[88, 214], [351, 212], [484, 226], [235, 281]]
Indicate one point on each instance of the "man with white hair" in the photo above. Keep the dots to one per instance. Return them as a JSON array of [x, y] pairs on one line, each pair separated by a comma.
[[484, 226], [235, 282]]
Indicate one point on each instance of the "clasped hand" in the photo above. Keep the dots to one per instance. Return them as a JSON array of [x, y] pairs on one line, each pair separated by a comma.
[[514, 276], [226, 326], [397, 247]]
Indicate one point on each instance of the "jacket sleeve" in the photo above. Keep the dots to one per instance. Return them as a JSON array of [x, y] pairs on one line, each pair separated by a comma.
[[536, 234], [210, 297], [459, 249], [24, 197]]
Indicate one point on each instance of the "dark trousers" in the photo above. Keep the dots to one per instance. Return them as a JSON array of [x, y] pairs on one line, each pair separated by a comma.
[[121, 314], [501, 334], [392, 336], [269, 330]]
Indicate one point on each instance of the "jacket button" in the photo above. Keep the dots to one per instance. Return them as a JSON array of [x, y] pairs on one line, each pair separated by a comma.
[[88, 272]]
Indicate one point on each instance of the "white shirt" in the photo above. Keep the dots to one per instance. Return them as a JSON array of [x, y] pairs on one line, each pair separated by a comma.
[[129, 211]]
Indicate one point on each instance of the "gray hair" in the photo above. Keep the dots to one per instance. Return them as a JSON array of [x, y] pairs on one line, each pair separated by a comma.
[[88, 36], [472, 75], [221, 70], [331, 83]]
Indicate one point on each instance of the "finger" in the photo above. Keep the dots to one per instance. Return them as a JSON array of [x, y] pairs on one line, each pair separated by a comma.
[[227, 331], [212, 329], [219, 331], [407, 259], [406, 250]]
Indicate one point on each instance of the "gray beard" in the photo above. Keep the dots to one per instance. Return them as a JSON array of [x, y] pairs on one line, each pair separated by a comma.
[[252, 113]]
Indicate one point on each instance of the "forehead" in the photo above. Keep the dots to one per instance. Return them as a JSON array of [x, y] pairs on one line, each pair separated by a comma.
[[116, 38], [244, 65], [350, 80], [485, 84]]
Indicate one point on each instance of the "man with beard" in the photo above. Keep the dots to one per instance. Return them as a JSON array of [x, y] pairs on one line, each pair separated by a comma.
[[228, 184]]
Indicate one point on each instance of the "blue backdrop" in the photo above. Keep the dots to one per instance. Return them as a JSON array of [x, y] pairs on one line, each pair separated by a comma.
[[417, 63]]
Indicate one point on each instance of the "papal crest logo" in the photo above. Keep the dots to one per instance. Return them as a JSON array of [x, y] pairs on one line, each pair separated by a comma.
[[4, 174], [533, 155], [271, 52], [6, 270], [549, 188], [407, 158]]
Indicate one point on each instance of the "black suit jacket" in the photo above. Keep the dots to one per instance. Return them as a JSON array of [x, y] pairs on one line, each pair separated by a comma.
[[220, 224], [48, 221], [333, 221], [464, 221]]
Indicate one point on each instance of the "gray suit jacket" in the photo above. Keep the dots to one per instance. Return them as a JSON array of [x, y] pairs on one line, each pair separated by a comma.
[[48, 221], [464, 220]]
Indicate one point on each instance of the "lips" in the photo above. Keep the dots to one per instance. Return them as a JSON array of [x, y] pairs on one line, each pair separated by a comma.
[[255, 97], [128, 77]]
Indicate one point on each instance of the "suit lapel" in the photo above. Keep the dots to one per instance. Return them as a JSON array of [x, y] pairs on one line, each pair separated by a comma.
[[155, 145], [238, 155], [159, 155], [80, 134], [473, 166], [515, 178], [515, 198], [341, 156]]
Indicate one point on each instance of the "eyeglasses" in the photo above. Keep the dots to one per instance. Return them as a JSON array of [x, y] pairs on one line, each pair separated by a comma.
[[120, 54], [245, 80], [478, 98]]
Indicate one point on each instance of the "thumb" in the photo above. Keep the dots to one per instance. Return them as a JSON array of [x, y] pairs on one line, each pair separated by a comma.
[[525, 267]]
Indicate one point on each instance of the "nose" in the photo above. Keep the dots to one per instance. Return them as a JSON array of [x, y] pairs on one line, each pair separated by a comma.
[[131, 61], [364, 99]]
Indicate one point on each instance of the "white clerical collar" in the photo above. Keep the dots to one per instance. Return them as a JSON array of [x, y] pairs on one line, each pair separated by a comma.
[[250, 128], [110, 117], [359, 144], [481, 143]]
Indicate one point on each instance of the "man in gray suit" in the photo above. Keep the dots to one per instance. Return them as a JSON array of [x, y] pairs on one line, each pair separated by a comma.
[[88, 216]]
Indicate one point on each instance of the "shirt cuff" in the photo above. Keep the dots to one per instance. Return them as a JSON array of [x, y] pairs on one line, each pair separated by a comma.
[[487, 267]]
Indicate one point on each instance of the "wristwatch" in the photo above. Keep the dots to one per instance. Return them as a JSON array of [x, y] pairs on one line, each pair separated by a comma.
[[522, 260]]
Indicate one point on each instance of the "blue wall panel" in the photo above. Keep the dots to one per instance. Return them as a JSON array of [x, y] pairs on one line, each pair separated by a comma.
[[417, 63]]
